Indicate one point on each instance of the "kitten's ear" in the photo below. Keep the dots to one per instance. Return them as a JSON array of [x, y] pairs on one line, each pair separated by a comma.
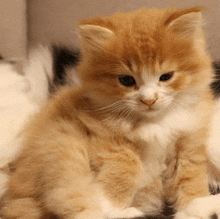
[[93, 35], [186, 23]]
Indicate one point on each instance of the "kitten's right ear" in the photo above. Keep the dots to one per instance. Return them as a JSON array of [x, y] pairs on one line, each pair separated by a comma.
[[186, 22], [94, 36]]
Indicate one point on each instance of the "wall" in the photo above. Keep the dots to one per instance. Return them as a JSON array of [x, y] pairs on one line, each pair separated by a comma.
[[55, 20], [13, 29]]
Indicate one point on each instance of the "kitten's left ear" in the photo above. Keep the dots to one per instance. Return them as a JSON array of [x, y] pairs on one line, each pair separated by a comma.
[[186, 22], [94, 36]]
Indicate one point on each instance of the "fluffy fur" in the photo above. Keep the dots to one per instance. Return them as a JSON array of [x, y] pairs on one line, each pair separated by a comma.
[[213, 149], [214, 140], [22, 93], [107, 150]]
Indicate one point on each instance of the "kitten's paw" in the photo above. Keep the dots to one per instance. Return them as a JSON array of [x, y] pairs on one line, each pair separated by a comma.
[[127, 213], [87, 214], [184, 215], [201, 208]]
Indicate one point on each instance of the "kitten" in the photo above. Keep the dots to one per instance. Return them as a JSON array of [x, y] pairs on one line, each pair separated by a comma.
[[132, 134]]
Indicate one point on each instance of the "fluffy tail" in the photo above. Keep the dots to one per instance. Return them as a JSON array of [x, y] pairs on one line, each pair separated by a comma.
[[39, 72]]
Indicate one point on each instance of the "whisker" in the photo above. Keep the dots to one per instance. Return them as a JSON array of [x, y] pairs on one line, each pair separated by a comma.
[[109, 106], [124, 112], [117, 124], [110, 111], [117, 112], [123, 117], [131, 111]]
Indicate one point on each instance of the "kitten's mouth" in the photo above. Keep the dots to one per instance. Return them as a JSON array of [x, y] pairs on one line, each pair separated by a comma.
[[151, 111], [152, 108], [146, 109]]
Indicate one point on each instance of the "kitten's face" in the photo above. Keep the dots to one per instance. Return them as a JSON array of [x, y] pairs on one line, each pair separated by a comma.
[[147, 90], [148, 93], [142, 62]]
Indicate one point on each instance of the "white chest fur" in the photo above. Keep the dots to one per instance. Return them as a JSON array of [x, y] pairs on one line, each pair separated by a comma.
[[160, 137], [164, 131]]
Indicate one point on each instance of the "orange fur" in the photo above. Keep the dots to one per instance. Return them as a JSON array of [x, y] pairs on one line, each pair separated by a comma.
[[103, 147]]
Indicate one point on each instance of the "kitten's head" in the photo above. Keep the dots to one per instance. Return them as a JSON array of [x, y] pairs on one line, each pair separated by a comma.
[[145, 60]]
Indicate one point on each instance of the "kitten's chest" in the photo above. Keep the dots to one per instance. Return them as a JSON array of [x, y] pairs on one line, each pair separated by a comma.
[[159, 144], [160, 140], [161, 135], [157, 136], [160, 147]]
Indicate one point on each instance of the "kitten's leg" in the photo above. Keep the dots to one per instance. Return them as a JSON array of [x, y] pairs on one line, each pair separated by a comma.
[[67, 186], [62, 181], [189, 179], [107, 196], [118, 181], [24, 208], [78, 200], [74, 196], [202, 208], [150, 198], [190, 182]]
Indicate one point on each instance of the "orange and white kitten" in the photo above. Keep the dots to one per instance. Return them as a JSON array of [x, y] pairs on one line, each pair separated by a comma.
[[132, 134]]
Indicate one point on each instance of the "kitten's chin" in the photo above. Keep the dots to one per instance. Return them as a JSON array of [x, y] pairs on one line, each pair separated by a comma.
[[153, 113]]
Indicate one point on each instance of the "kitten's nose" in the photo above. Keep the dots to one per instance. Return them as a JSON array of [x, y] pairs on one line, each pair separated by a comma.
[[149, 102]]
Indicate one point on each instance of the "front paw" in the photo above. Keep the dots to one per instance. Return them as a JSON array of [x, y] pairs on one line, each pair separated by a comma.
[[201, 208], [87, 214], [185, 215], [127, 213]]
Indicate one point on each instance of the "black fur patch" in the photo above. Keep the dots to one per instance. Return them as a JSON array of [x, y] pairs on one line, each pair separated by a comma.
[[214, 216], [216, 84], [63, 58]]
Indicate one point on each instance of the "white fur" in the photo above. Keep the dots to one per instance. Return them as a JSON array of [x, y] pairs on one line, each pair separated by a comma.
[[20, 97], [15, 107], [201, 208], [39, 70], [110, 211], [214, 140], [204, 208], [161, 132]]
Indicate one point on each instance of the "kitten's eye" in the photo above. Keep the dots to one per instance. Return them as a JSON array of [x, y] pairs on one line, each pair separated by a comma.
[[166, 77], [127, 80]]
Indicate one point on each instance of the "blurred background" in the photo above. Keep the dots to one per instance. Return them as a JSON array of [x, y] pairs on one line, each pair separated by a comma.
[[25, 23]]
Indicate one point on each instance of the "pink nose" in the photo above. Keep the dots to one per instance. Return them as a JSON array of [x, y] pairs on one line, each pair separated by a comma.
[[149, 102]]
